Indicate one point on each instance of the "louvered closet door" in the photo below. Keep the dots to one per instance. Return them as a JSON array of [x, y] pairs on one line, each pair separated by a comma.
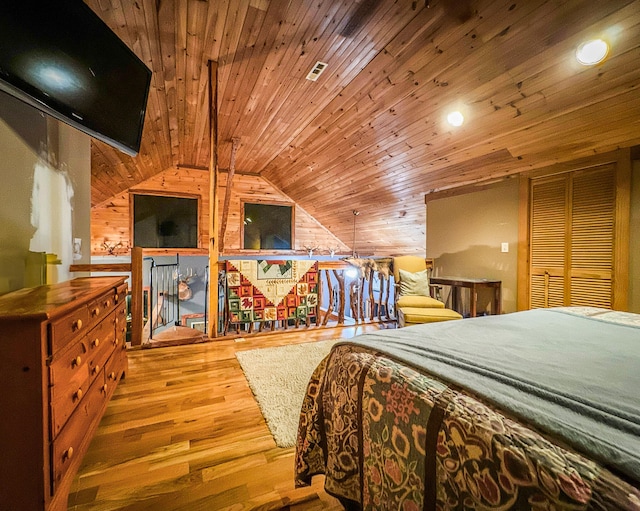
[[572, 239], [548, 241], [592, 237]]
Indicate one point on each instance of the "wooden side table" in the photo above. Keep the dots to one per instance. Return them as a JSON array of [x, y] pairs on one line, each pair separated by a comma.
[[458, 283]]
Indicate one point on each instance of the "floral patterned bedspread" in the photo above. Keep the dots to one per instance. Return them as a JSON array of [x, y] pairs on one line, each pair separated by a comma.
[[389, 437]]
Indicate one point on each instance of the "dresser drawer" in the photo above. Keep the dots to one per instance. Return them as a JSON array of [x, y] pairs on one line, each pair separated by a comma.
[[67, 328], [121, 294], [72, 441], [68, 398], [102, 306], [121, 324], [116, 366], [72, 370], [66, 363]]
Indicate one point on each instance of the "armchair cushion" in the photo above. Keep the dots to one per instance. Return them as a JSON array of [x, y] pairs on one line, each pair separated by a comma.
[[419, 302], [416, 284]]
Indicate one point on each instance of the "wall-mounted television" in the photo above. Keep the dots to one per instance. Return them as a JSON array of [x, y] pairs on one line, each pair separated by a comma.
[[161, 221], [61, 58]]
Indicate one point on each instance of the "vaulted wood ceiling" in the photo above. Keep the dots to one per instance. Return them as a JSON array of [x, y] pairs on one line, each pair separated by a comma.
[[369, 134]]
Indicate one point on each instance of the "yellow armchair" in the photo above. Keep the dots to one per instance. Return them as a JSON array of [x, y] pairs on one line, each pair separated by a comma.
[[414, 302]]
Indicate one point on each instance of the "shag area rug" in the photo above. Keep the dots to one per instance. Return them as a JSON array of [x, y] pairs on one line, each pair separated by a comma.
[[278, 377]]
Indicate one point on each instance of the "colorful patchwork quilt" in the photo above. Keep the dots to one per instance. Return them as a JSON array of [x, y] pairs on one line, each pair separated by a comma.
[[272, 290]]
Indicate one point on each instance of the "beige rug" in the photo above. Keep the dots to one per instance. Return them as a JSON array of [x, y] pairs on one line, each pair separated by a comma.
[[278, 378]]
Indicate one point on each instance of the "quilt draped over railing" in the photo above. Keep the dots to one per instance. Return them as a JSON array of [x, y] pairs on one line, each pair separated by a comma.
[[272, 290]]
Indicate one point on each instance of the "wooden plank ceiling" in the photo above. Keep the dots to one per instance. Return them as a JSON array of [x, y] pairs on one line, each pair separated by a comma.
[[369, 134]]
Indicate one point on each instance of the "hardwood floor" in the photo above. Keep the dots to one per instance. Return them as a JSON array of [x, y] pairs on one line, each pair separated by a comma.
[[183, 432]]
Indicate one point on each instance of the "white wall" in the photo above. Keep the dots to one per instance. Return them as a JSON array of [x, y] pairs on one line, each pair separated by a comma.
[[45, 192], [465, 234]]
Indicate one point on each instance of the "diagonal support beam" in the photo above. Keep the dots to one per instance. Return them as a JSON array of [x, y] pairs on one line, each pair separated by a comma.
[[227, 196]]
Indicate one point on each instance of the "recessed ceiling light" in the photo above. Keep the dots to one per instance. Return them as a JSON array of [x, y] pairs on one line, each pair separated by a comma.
[[592, 52], [455, 118]]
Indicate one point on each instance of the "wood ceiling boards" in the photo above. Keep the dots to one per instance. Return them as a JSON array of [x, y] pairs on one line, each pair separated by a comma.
[[369, 134]]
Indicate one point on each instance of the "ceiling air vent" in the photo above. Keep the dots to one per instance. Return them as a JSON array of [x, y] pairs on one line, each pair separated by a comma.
[[316, 71]]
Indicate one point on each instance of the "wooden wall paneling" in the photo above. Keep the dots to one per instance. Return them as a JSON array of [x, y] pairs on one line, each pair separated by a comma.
[[110, 224], [408, 75], [295, 63], [479, 131], [196, 74], [112, 221], [168, 30], [210, 51], [369, 134], [308, 231]]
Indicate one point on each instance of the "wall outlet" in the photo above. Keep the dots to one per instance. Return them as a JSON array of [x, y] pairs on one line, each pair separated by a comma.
[[505, 247]]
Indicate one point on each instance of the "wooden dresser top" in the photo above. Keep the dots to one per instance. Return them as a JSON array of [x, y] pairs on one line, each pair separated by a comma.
[[53, 300]]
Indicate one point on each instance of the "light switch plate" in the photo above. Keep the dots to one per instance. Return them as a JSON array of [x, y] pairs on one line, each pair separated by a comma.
[[505, 247]]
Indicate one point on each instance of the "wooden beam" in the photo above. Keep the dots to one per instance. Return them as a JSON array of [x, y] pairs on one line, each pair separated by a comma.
[[214, 250], [227, 196], [137, 298], [106, 267]]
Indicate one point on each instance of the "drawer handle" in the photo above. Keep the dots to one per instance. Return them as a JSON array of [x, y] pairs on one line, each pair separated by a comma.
[[96, 369], [104, 388], [112, 375], [68, 454], [107, 304], [77, 324], [78, 394], [76, 361], [95, 342], [116, 298]]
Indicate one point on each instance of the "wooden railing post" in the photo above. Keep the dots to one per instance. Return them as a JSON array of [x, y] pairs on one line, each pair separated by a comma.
[[137, 298], [341, 303]]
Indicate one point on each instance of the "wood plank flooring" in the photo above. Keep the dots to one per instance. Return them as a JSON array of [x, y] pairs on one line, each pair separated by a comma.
[[184, 432]]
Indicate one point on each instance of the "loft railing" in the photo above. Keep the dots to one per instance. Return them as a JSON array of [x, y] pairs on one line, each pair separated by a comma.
[[348, 294]]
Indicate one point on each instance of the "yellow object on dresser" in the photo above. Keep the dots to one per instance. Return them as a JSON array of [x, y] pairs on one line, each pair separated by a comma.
[[63, 352]]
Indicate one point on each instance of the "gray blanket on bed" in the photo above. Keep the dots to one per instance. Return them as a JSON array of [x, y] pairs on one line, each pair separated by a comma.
[[575, 377]]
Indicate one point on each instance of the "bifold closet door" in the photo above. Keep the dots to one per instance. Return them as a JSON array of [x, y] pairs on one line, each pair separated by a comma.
[[572, 238]]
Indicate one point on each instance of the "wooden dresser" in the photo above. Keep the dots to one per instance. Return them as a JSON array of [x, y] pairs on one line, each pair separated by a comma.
[[62, 352]]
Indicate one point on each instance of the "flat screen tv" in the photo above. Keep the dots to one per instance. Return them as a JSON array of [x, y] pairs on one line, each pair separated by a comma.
[[161, 221], [61, 58]]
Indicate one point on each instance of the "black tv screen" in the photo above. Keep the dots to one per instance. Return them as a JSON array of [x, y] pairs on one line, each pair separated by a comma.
[[160, 221], [61, 58]]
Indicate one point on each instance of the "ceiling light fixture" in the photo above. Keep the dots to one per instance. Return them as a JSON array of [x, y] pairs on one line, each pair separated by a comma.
[[316, 71], [455, 118], [592, 52]]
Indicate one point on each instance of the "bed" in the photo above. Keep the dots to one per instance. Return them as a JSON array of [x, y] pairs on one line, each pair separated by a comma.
[[536, 410]]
